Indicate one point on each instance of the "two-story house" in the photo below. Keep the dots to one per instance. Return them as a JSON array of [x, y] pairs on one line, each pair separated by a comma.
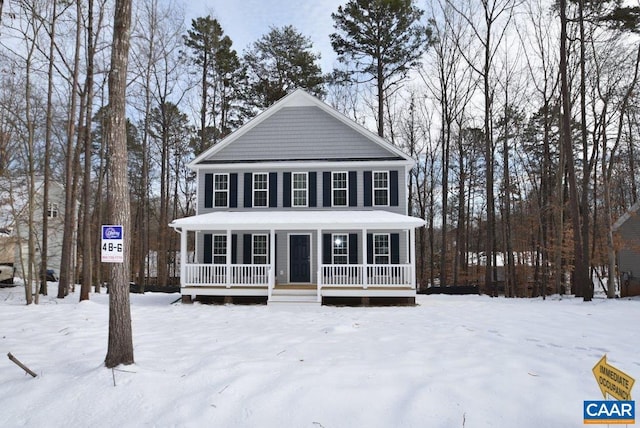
[[15, 227], [301, 204]]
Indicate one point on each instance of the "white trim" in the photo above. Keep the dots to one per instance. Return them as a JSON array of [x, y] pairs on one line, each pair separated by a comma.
[[253, 248], [333, 240], [244, 220], [253, 190], [228, 191], [346, 189], [289, 235], [373, 243], [373, 188], [306, 189], [310, 165]]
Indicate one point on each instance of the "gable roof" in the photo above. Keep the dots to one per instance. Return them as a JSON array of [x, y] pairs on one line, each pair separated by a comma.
[[626, 216], [300, 127]]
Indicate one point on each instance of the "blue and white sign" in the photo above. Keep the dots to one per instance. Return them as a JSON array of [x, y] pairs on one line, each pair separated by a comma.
[[610, 412], [112, 244]]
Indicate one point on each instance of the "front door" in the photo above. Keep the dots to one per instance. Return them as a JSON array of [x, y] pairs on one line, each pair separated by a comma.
[[299, 258]]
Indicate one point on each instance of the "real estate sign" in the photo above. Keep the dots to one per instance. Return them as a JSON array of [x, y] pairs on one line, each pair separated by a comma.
[[112, 244], [613, 381]]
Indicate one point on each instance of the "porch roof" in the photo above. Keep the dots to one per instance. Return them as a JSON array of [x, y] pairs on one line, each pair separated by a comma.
[[299, 219]]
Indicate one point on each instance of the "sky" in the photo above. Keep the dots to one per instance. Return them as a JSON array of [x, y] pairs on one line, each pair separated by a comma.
[[245, 21], [450, 361]]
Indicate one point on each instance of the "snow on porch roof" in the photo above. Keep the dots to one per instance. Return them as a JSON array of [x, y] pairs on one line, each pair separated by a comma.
[[290, 220]]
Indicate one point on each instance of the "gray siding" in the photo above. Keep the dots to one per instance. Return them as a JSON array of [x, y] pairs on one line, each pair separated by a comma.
[[629, 253], [301, 133], [402, 189]]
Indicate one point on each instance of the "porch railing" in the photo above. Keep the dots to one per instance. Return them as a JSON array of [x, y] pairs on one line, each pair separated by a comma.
[[367, 275], [226, 275]]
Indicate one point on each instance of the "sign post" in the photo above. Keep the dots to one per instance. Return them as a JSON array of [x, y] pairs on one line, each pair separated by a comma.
[[112, 244]]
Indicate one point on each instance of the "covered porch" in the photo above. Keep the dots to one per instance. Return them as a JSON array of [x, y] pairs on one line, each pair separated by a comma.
[[318, 254]]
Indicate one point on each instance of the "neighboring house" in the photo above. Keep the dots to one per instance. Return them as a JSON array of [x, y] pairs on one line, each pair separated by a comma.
[[14, 223], [627, 232], [301, 204]]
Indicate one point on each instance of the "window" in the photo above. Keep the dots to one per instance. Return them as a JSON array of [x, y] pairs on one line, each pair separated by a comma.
[[52, 211], [299, 189], [381, 188], [219, 249], [260, 189], [221, 190], [340, 249], [381, 253], [339, 189], [260, 244]]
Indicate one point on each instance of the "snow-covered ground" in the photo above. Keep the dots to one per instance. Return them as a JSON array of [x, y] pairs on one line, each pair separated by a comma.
[[451, 361]]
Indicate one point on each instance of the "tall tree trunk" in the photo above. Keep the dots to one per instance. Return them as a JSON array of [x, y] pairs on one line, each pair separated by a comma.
[[586, 285], [581, 269], [120, 349], [44, 252], [66, 267], [87, 262]]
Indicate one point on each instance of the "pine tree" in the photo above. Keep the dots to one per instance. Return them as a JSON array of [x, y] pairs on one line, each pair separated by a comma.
[[382, 39], [280, 61]]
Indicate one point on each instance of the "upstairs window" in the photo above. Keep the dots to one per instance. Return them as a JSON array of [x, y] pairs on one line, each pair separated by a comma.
[[339, 189], [340, 249], [221, 190], [259, 251], [299, 189], [219, 249], [260, 189], [381, 250], [381, 188], [52, 210]]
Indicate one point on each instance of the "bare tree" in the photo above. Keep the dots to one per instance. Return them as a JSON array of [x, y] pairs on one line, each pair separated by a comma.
[[120, 350]]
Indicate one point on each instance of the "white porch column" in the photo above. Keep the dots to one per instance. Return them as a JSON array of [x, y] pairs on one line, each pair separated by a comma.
[[228, 257], [272, 262], [319, 263], [412, 251], [183, 257], [365, 267]]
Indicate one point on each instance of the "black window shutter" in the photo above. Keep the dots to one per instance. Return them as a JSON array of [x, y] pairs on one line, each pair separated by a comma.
[[313, 190], [353, 248], [353, 189], [395, 248], [327, 248], [273, 189], [233, 190], [369, 248], [207, 254], [326, 189], [248, 183], [286, 189], [246, 249], [208, 190], [234, 249], [393, 185], [367, 188]]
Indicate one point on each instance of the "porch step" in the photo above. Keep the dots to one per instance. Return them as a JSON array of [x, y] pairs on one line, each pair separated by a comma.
[[294, 297]]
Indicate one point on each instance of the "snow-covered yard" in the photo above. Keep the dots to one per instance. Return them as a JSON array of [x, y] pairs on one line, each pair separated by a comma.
[[451, 361]]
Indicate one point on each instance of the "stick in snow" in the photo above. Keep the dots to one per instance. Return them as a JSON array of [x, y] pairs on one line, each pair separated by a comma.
[[22, 366]]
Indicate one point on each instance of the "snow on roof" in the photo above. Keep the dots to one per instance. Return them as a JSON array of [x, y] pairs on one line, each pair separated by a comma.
[[308, 219]]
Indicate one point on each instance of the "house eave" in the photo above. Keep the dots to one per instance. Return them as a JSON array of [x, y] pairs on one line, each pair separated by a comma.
[[298, 220], [304, 163]]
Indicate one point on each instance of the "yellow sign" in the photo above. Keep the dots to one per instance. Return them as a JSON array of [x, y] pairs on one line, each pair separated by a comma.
[[613, 381]]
